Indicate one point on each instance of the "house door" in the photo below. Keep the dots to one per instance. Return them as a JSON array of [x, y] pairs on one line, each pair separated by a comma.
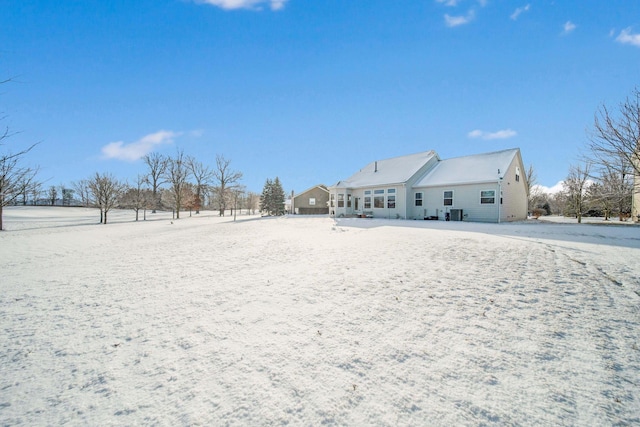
[[357, 203]]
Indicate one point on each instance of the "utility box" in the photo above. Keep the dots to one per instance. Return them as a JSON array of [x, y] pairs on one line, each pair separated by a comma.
[[456, 214]]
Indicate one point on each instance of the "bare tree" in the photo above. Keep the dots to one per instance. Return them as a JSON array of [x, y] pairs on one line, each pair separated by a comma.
[[176, 174], [24, 189], [238, 192], [225, 178], [613, 191], [15, 179], [156, 176], [82, 190], [137, 197], [252, 202], [534, 192], [616, 136], [575, 187], [106, 191], [190, 199], [52, 195], [35, 190], [203, 176]]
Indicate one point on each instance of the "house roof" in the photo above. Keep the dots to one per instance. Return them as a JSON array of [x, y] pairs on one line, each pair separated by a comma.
[[468, 169], [388, 171], [320, 186]]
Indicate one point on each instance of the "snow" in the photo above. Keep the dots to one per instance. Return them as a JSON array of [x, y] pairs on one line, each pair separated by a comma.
[[477, 168], [396, 170], [309, 321]]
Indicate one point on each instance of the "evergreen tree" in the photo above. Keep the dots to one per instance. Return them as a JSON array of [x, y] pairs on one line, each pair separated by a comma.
[[272, 197], [278, 197], [265, 197]]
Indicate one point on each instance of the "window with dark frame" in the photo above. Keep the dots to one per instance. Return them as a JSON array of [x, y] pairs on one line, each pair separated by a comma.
[[391, 202], [448, 198], [418, 199], [487, 197]]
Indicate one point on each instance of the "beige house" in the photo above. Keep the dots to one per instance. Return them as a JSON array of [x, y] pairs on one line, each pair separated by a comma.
[[313, 201]]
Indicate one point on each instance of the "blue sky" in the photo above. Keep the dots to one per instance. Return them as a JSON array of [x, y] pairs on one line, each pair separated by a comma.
[[309, 90]]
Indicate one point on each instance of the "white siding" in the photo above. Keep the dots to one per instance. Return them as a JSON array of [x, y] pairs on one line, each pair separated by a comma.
[[383, 212], [465, 197]]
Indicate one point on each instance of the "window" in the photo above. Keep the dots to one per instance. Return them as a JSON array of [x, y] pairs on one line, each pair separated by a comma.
[[418, 199], [448, 198], [367, 192], [391, 202], [391, 191], [341, 200], [517, 174], [348, 200], [332, 202], [312, 201], [487, 197], [378, 191], [378, 202], [367, 202]]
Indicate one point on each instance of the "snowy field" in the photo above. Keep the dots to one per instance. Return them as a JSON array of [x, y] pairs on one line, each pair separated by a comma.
[[310, 321]]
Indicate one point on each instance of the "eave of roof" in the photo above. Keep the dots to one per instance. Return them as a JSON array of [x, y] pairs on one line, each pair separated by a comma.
[[473, 169], [393, 171]]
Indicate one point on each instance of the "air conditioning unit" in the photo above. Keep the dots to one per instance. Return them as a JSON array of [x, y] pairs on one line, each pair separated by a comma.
[[456, 214]]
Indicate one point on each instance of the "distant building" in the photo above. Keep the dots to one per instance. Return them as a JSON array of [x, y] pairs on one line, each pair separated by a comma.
[[313, 201], [488, 187]]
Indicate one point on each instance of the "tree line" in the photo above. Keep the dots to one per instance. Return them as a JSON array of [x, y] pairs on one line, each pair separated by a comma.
[[179, 183], [605, 181]]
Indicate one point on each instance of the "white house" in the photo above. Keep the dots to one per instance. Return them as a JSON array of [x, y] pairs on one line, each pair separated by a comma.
[[488, 187]]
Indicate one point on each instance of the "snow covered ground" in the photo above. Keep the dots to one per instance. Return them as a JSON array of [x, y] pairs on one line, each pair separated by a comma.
[[309, 321]]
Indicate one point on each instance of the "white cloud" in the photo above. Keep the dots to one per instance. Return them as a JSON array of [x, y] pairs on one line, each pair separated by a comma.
[[244, 4], [520, 11], [548, 190], [568, 27], [501, 134], [137, 149], [626, 37], [451, 3], [454, 21]]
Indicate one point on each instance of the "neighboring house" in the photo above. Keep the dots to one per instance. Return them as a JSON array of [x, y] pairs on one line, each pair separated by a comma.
[[488, 187], [313, 201]]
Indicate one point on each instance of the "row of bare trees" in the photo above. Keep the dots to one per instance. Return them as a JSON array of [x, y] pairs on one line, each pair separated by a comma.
[[178, 182], [606, 181]]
